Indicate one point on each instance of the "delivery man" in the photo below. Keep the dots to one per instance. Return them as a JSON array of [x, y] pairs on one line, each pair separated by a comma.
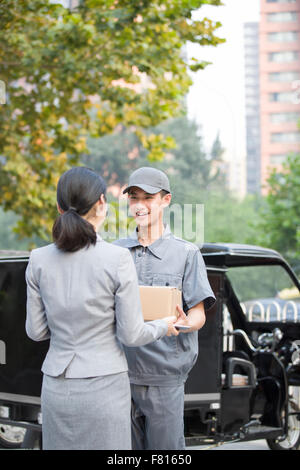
[[159, 370]]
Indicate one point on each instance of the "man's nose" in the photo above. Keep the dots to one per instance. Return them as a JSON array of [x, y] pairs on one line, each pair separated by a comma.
[[140, 205]]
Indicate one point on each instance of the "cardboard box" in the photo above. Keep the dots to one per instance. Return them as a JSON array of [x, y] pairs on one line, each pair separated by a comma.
[[159, 301]]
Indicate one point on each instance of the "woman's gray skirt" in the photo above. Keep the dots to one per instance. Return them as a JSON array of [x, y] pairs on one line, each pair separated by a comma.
[[86, 414]]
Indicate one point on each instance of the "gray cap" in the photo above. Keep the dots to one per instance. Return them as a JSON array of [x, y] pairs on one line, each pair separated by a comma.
[[149, 179]]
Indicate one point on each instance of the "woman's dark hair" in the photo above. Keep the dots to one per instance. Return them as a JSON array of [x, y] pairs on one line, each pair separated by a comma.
[[78, 190]]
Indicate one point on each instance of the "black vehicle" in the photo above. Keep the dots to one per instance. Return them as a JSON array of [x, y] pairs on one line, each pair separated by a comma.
[[245, 382], [248, 368]]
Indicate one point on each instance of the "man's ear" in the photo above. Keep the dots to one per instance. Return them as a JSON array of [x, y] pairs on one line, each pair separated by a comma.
[[102, 199], [167, 199]]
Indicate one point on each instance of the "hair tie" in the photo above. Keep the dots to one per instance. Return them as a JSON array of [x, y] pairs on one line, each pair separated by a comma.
[[71, 208]]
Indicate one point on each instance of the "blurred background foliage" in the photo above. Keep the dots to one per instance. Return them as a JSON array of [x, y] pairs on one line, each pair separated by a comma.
[[104, 86], [71, 74]]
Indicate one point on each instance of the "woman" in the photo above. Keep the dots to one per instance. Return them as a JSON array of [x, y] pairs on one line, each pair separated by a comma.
[[82, 293]]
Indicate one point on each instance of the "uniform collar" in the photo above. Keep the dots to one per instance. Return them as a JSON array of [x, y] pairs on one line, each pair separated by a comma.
[[157, 248]]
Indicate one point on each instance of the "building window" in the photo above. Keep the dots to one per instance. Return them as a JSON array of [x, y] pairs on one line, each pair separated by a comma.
[[252, 61], [284, 76], [284, 56], [283, 97], [285, 137], [278, 118], [251, 82], [283, 16], [251, 41], [251, 111], [277, 159], [283, 36], [252, 101], [251, 30], [250, 50]]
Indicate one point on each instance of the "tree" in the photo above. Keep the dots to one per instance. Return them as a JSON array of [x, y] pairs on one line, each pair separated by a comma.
[[279, 223], [217, 149], [71, 74], [228, 219], [188, 160], [116, 155]]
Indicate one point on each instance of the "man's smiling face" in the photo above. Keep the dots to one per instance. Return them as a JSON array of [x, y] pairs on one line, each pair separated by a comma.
[[146, 208]]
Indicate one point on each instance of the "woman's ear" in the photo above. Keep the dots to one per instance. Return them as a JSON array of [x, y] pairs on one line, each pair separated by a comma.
[[59, 209], [101, 206]]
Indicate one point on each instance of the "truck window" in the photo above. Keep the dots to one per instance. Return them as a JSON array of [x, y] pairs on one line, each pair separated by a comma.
[[266, 293]]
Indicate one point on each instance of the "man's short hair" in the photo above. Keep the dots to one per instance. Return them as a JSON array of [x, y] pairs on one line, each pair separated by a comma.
[[162, 192]]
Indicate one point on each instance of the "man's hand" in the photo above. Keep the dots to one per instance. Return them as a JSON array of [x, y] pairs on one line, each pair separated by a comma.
[[195, 318]]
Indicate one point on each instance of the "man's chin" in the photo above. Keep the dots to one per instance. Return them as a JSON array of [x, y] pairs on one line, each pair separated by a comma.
[[143, 221]]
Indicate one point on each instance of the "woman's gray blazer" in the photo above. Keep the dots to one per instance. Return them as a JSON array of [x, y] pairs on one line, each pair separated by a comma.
[[87, 303]]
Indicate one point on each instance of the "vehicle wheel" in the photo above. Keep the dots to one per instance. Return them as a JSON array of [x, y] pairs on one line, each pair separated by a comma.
[[292, 441], [11, 437]]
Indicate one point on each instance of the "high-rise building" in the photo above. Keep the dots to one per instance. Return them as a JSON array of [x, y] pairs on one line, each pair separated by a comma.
[[252, 106], [279, 39]]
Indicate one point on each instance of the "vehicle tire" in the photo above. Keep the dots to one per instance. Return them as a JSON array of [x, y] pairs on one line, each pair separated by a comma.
[[11, 437], [292, 441]]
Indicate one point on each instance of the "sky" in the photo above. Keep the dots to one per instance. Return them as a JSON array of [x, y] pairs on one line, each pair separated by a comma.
[[216, 98]]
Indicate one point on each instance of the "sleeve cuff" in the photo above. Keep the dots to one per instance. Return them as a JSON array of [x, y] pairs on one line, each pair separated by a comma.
[[208, 301]]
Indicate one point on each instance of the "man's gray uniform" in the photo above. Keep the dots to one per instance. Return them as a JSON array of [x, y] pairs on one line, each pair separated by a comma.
[[159, 370]]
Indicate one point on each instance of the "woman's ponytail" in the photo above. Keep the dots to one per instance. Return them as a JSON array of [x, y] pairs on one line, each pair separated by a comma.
[[77, 191]]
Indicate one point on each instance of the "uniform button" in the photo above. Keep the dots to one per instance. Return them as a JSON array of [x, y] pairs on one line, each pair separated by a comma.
[[139, 254], [167, 284]]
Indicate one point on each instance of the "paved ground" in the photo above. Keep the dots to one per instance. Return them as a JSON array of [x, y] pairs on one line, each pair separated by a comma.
[[253, 445]]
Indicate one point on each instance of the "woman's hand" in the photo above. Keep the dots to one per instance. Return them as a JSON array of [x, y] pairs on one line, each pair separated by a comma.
[[171, 329]]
